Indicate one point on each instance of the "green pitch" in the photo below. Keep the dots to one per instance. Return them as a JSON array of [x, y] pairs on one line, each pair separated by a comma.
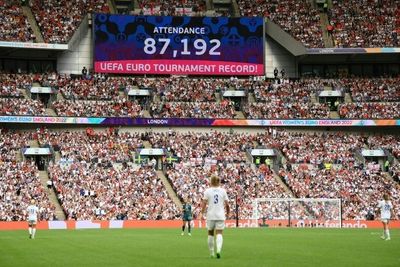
[[166, 247]]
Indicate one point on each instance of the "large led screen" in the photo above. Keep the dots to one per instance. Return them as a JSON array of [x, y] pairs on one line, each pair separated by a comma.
[[178, 45]]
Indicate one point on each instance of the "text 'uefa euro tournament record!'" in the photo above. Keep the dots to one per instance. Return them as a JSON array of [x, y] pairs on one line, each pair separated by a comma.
[[178, 45]]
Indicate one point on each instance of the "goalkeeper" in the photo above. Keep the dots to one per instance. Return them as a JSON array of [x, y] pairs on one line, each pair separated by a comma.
[[186, 216]]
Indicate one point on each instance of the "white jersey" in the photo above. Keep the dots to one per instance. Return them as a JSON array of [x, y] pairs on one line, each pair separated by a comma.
[[385, 207], [32, 212], [216, 197]]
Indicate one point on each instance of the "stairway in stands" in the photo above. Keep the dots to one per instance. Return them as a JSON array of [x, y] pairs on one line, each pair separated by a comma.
[[44, 177], [169, 188], [31, 19], [328, 41], [160, 174]]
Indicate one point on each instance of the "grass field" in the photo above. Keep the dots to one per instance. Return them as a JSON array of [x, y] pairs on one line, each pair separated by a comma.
[[166, 247]]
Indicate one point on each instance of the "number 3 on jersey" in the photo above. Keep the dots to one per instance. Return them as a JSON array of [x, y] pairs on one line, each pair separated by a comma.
[[215, 199]]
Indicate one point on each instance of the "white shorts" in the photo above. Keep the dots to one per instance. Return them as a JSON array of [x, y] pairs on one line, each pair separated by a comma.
[[32, 222], [215, 224], [385, 220]]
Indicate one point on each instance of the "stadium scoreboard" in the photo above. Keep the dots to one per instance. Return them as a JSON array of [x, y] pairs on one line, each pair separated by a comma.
[[178, 45]]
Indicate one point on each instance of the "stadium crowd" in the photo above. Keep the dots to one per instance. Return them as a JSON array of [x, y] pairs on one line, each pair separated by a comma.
[[287, 100], [365, 23], [91, 89], [100, 95], [90, 186], [370, 110], [21, 106], [102, 147], [119, 107], [214, 145], [58, 20], [315, 149], [389, 142], [8, 88], [14, 27], [288, 90], [372, 90], [88, 192], [280, 110], [298, 18], [19, 181], [221, 110], [88, 180]]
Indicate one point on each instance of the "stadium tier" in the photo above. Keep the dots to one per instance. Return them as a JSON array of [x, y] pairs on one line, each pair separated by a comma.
[[99, 175], [181, 97]]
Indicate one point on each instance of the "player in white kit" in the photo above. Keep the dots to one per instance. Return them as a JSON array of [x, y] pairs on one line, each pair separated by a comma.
[[385, 207], [33, 211], [216, 199]]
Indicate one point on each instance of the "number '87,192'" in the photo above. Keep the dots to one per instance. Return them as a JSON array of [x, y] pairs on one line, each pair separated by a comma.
[[199, 45]]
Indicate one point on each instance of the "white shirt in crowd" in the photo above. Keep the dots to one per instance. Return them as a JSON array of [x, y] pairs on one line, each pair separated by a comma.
[[216, 197]]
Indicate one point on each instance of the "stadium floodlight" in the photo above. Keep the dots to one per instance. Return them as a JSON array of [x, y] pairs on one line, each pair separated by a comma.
[[297, 212]]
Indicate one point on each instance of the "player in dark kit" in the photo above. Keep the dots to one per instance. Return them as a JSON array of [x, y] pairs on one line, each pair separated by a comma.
[[186, 216]]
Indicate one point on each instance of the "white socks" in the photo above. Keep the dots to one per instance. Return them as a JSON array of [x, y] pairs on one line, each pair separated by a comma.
[[219, 241], [33, 232], [30, 230], [210, 242], [387, 234]]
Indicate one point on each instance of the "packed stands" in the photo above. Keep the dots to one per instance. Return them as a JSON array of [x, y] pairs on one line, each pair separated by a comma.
[[372, 90], [315, 149], [288, 91], [119, 107], [277, 109], [104, 147], [90, 186], [19, 181], [370, 110], [182, 97], [58, 20], [14, 27], [21, 106], [389, 142], [11, 85], [352, 29], [102, 96], [298, 18], [88, 180], [88, 191], [288, 100], [213, 145], [224, 109]]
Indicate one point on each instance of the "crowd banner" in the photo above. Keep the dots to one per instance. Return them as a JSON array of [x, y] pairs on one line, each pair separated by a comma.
[[248, 223]]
